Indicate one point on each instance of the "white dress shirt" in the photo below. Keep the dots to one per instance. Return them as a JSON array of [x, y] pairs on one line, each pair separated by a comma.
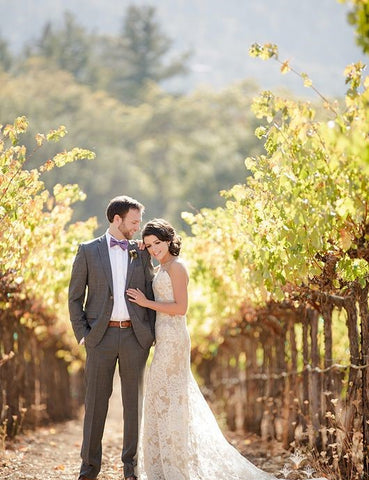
[[119, 264]]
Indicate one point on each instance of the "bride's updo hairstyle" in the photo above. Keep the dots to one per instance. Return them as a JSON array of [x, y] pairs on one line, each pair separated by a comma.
[[164, 232]]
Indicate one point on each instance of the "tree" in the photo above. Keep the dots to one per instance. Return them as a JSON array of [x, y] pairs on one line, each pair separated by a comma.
[[137, 56], [123, 64], [5, 56], [68, 48], [38, 242], [173, 153], [359, 18], [296, 233], [35, 224]]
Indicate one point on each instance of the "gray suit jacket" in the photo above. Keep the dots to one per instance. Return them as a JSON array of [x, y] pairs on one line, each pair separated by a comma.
[[91, 292]]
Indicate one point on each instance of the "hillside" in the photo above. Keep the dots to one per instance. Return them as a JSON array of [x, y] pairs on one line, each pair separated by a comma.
[[313, 34]]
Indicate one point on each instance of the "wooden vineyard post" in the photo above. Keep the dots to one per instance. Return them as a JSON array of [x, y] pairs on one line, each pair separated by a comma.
[[364, 316]]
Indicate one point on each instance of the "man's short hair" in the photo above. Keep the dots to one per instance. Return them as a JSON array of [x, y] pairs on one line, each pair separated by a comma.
[[121, 205]]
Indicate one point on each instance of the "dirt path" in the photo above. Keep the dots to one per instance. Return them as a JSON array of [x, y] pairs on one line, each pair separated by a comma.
[[53, 452]]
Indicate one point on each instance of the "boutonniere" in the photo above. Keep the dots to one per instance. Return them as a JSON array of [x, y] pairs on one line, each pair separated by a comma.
[[133, 254]]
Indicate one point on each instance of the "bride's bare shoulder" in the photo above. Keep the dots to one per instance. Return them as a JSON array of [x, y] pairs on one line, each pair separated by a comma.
[[178, 267]]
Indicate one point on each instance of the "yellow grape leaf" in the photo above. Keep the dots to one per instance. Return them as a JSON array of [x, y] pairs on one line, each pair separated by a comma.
[[285, 68], [56, 135], [307, 81], [40, 137], [345, 206], [345, 239]]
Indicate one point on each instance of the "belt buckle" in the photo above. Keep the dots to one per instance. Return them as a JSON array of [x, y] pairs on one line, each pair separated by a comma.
[[120, 323]]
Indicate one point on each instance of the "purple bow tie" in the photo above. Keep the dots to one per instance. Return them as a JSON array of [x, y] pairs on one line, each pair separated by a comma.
[[122, 243]]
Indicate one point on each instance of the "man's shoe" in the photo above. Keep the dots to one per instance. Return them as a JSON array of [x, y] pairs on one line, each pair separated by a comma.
[[131, 477]]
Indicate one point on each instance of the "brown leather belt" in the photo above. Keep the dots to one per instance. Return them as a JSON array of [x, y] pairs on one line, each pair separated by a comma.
[[120, 323]]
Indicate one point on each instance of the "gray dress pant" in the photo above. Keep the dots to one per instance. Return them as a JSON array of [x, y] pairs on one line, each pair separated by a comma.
[[118, 345]]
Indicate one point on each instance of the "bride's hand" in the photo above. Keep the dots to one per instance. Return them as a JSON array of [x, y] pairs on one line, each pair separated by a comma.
[[136, 296]]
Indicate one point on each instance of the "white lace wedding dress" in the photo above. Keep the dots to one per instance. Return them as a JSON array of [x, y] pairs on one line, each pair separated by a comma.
[[180, 438]]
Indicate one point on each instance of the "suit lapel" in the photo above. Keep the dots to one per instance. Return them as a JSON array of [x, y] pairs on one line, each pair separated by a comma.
[[132, 258], [105, 260]]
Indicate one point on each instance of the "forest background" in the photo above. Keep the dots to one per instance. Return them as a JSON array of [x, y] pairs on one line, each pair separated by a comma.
[[289, 231], [177, 141]]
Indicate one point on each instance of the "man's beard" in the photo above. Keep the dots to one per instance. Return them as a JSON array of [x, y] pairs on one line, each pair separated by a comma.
[[127, 235]]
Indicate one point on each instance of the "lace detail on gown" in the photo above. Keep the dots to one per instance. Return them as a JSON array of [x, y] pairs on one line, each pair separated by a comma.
[[179, 437]]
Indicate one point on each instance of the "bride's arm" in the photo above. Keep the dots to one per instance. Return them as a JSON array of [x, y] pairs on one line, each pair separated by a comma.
[[179, 278]]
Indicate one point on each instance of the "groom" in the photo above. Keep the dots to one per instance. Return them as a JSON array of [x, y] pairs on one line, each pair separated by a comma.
[[111, 328]]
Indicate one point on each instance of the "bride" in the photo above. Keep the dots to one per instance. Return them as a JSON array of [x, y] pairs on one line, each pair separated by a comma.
[[179, 438]]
